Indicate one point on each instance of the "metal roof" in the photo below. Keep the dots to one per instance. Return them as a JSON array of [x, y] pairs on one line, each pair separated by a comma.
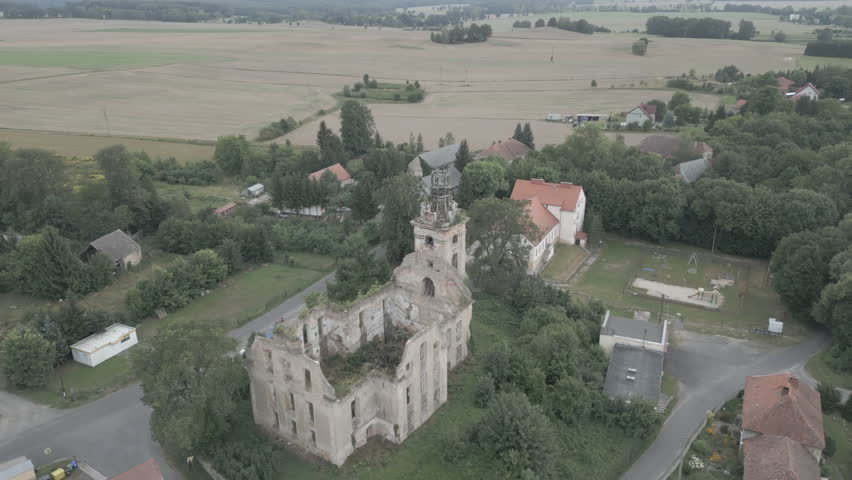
[[111, 334], [644, 382], [693, 169], [440, 157], [632, 328], [15, 467], [116, 245]]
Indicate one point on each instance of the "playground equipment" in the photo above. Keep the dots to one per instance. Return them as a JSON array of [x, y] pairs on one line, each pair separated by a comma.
[[700, 294]]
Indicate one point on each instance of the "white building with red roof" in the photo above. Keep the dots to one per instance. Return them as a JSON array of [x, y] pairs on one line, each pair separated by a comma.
[[339, 172], [557, 210], [641, 114], [806, 90]]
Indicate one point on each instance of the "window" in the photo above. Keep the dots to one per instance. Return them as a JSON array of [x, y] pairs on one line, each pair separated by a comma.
[[292, 402], [455, 260], [352, 409], [311, 411], [293, 428], [361, 320], [408, 367], [423, 352], [408, 395], [455, 239], [314, 437], [319, 326], [430, 242], [305, 333], [428, 287], [307, 379]]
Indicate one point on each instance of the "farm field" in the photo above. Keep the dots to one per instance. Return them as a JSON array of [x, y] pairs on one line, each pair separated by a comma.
[[748, 303], [88, 145], [197, 81]]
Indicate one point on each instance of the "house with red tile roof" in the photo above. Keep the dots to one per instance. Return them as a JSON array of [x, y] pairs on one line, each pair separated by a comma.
[[782, 431], [641, 114], [508, 150], [783, 84], [773, 457], [566, 204], [543, 237], [339, 172]]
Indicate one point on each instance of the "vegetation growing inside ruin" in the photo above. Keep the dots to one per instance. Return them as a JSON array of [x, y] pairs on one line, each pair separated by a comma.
[[382, 354]]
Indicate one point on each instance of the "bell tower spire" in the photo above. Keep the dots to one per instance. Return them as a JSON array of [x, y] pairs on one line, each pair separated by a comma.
[[440, 229]]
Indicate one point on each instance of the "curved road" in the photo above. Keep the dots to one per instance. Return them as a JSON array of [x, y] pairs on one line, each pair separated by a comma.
[[711, 370], [111, 434]]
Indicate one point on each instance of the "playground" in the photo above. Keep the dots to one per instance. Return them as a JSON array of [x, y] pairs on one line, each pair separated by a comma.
[[630, 275]]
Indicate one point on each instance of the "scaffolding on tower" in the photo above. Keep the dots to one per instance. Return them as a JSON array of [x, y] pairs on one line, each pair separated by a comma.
[[441, 202]]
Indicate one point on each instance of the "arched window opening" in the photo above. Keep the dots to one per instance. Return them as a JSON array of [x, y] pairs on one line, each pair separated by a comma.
[[455, 260], [430, 242], [455, 239], [428, 287]]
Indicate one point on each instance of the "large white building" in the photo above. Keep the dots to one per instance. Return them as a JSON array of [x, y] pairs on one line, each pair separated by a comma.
[[97, 348]]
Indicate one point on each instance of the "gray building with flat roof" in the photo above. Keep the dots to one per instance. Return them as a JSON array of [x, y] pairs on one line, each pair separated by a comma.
[[630, 331], [634, 372]]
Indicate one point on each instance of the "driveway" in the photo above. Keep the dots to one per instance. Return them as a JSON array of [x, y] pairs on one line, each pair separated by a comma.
[[711, 369]]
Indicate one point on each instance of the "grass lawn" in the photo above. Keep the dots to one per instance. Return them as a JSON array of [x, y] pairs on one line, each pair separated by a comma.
[[811, 62], [201, 197], [841, 431], [566, 259], [622, 259], [819, 369], [589, 450], [248, 294], [92, 60], [669, 386]]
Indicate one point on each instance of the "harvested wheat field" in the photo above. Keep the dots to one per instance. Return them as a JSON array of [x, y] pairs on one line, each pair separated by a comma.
[[201, 81]]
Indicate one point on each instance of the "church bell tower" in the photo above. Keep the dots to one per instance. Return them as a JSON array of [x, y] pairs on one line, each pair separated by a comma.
[[440, 229]]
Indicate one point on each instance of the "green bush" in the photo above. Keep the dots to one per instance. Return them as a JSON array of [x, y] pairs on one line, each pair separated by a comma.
[[702, 448], [830, 446], [484, 392]]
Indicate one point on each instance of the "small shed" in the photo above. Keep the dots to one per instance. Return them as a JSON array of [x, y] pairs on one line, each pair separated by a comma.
[[226, 210], [253, 191], [20, 468], [118, 247], [104, 345]]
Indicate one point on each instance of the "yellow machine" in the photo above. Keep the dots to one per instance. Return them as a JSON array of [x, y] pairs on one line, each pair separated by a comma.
[[57, 474]]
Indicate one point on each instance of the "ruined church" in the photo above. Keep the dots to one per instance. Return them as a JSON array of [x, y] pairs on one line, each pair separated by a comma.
[[338, 375]]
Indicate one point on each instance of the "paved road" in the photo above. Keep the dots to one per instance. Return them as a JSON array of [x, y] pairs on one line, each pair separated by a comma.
[[113, 433], [711, 370]]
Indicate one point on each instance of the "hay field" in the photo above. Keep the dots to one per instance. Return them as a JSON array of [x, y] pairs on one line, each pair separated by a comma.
[[200, 81]]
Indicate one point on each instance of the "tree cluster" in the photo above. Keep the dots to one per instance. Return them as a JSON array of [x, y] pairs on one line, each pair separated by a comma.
[[277, 129], [473, 33], [832, 48], [579, 26], [170, 171], [688, 27], [525, 135]]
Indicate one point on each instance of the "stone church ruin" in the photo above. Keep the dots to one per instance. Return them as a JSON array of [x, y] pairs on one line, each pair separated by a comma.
[[338, 375]]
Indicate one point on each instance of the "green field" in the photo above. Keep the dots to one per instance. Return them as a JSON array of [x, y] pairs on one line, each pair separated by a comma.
[[566, 259], [608, 278], [93, 60], [820, 370], [810, 63], [383, 93], [200, 197]]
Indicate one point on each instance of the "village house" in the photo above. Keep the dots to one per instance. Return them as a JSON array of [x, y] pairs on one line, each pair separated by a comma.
[[508, 150], [226, 210], [343, 178], [782, 418], [565, 201], [420, 320], [783, 84], [641, 114], [541, 241], [122, 250], [806, 90]]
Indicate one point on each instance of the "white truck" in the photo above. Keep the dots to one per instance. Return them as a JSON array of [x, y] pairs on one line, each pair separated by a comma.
[[554, 117]]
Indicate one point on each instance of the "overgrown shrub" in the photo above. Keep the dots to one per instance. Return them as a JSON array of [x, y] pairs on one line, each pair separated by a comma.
[[484, 392], [701, 447]]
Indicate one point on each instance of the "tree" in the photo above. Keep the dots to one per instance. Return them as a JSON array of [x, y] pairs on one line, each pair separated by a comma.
[[520, 435], [528, 140], [192, 383], [46, 267], [678, 99], [824, 35], [660, 205], [551, 22], [780, 37], [660, 114], [539, 23], [728, 74], [364, 206], [481, 180], [499, 228], [400, 196], [764, 100], [639, 48], [229, 252], [357, 270], [330, 146], [463, 156], [28, 358], [232, 153], [746, 31], [594, 83], [596, 229], [669, 120], [356, 127], [830, 398], [519, 133]]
